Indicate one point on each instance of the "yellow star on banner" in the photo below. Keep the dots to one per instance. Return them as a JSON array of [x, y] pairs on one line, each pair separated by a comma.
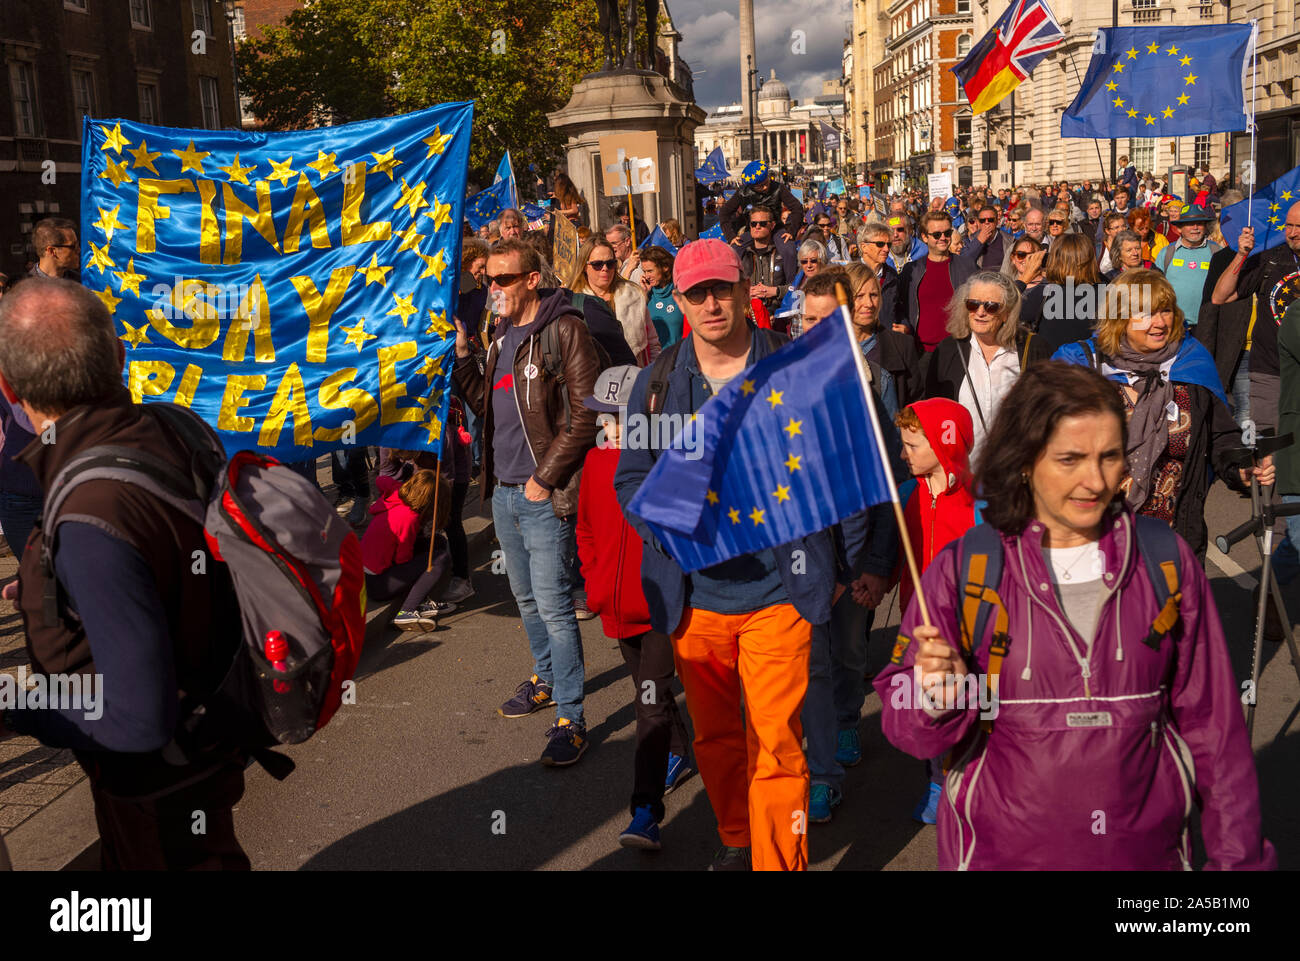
[[405, 308], [712, 498], [756, 516], [108, 221], [1118, 101], [746, 388], [792, 463], [1112, 86], [99, 257], [434, 400], [114, 140], [1286, 195], [434, 427], [192, 159], [106, 295], [385, 162], [281, 170], [236, 172], [357, 334], [1150, 120], [1172, 51], [135, 336], [1168, 112], [432, 368], [1132, 113], [1272, 220], [324, 164], [116, 172], [433, 266], [143, 158], [376, 273], [440, 215], [1153, 48], [410, 239], [734, 515], [1119, 68], [1182, 99], [1274, 208], [412, 198], [1132, 53], [128, 279], [1186, 61], [782, 493], [774, 398], [1190, 79], [793, 427], [437, 143], [439, 325]]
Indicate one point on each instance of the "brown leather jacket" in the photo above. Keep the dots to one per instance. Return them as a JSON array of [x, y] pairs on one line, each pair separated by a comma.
[[559, 437]]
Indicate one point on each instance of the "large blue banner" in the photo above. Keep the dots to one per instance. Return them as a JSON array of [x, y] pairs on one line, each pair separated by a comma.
[[294, 289]]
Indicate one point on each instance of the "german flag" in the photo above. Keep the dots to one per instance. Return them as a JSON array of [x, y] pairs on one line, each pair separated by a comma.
[[1008, 53]]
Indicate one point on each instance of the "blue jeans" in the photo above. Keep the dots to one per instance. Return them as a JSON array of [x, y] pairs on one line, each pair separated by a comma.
[[1241, 390], [836, 690], [535, 545], [1286, 560], [18, 513]]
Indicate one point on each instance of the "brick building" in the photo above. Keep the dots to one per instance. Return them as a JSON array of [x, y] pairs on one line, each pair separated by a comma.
[[64, 59]]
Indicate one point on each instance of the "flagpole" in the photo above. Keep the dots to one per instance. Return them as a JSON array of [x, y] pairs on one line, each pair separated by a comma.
[[842, 295], [437, 485], [631, 217], [1254, 90]]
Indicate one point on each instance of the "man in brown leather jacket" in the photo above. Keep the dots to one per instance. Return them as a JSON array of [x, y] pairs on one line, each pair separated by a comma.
[[536, 432]]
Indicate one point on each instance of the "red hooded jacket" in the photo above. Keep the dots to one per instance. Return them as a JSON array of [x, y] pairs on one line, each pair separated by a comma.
[[934, 521], [610, 550]]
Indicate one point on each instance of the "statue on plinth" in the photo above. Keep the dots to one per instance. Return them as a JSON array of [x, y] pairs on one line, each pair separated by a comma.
[[612, 28]]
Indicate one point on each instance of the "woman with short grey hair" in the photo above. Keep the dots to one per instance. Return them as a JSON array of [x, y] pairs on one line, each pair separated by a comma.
[[812, 257], [985, 351], [1126, 254]]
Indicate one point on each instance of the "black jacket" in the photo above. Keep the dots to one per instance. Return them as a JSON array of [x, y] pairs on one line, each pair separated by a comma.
[[947, 368], [898, 354]]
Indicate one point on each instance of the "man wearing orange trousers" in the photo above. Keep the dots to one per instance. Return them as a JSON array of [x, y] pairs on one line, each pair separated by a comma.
[[742, 629]]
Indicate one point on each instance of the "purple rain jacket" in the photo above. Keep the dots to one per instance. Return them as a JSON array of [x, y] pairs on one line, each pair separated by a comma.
[[1090, 765]]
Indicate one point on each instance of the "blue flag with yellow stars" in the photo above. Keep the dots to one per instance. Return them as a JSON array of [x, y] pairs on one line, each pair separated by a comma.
[[1163, 82], [294, 289], [1267, 213], [783, 451]]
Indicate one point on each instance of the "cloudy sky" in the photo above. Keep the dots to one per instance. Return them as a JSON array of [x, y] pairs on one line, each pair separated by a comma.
[[711, 44]]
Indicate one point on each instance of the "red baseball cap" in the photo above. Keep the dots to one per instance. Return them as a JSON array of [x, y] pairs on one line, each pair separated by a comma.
[[703, 260]]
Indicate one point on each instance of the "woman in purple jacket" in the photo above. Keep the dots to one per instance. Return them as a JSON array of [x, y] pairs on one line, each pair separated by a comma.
[[1099, 742]]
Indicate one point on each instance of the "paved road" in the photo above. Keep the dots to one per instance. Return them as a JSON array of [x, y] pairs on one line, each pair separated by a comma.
[[417, 773]]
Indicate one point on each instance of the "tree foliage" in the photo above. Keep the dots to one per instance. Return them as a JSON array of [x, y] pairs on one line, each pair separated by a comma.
[[336, 61]]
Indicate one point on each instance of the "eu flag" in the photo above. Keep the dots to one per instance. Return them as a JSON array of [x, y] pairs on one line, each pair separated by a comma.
[[658, 238], [714, 169], [1268, 211], [784, 450], [1163, 82]]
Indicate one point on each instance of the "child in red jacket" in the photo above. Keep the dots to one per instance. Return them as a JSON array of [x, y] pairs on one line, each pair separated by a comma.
[[937, 435], [393, 564], [610, 552]]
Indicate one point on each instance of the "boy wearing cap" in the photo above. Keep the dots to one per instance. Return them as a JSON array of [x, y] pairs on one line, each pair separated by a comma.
[[610, 552], [760, 189], [742, 629], [1186, 262]]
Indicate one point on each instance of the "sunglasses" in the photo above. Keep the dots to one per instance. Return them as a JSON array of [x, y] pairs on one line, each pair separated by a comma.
[[990, 306], [721, 290], [823, 226], [811, 260], [602, 264], [760, 223], [1058, 223], [1021, 254], [937, 234], [879, 244], [988, 220], [505, 280]]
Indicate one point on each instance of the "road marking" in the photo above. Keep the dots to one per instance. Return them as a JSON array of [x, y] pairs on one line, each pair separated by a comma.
[[1230, 567]]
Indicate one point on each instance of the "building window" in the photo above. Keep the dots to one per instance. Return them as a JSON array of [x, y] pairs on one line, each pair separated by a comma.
[[83, 97], [147, 93], [963, 45], [963, 6], [208, 98], [1142, 153], [1201, 152], [239, 23], [1146, 11], [22, 81], [202, 16], [141, 15], [963, 133]]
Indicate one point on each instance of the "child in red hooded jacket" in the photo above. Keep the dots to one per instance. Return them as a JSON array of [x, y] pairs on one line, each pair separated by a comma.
[[937, 435], [610, 552]]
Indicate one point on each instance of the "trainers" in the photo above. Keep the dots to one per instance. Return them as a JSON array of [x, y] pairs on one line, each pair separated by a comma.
[[643, 832], [530, 696], [678, 771], [459, 589], [343, 504], [580, 609], [568, 743], [357, 512], [438, 608], [414, 621], [927, 811], [732, 859], [825, 799], [848, 747]]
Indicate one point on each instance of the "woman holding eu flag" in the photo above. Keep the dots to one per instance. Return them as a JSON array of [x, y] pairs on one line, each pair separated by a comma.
[[1067, 659]]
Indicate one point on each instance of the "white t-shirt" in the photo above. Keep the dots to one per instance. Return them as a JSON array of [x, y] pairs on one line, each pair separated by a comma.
[[992, 382], [1077, 573]]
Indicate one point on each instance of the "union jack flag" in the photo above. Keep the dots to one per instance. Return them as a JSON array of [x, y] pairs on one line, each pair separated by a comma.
[[1008, 54]]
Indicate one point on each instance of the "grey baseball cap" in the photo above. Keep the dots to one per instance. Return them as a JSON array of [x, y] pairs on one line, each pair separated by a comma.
[[612, 389]]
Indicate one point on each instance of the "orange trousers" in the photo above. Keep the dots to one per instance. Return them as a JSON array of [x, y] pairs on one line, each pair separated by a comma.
[[750, 751]]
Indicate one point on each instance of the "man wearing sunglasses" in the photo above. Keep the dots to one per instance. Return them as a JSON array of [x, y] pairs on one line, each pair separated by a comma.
[[55, 240], [903, 247], [989, 243], [769, 263], [741, 629], [536, 433], [925, 286], [873, 245]]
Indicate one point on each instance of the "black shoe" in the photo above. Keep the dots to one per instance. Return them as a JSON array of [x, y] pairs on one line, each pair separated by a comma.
[[1273, 629], [568, 742], [530, 696]]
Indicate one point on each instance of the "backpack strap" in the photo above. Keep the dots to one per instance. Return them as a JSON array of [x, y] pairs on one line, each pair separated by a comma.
[[1024, 350], [553, 364], [660, 370], [1166, 255], [1158, 545], [980, 559]]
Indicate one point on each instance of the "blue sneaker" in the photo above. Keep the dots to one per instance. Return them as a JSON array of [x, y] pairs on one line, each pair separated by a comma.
[[824, 800], [643, 832], [678, 771], [927, 812], [566, 743], [848, 747], [530, 696]]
